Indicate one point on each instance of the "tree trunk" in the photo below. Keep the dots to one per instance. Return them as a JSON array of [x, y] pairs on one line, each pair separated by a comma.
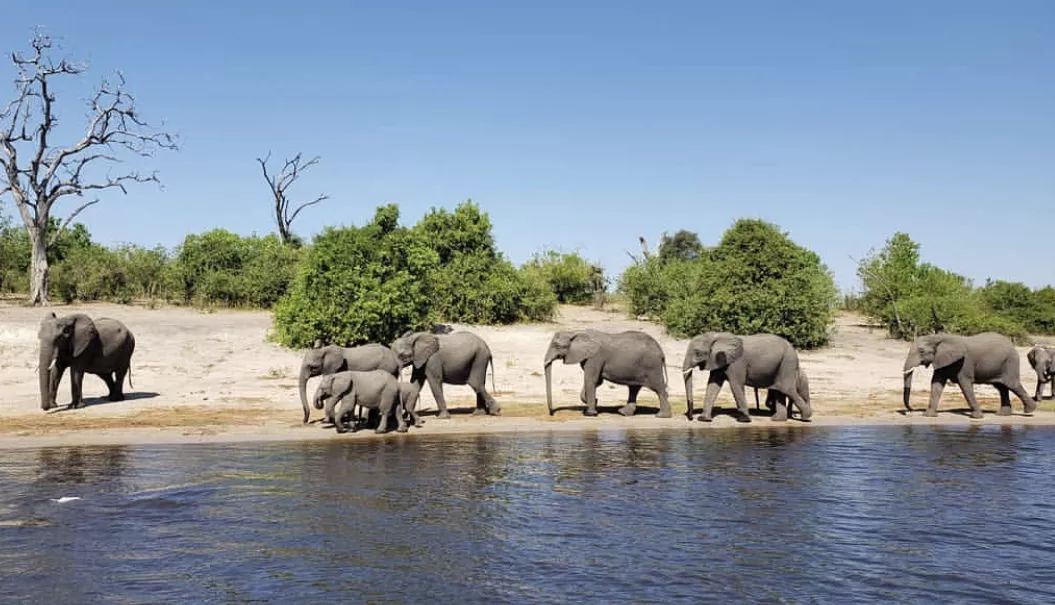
[[38, 267]]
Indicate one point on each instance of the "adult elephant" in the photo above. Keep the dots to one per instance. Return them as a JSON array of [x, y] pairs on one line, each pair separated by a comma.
[[330, 359], [102, 347], [1042, 359], [633, 359], [987, 358], [455, 358], [761, 361]]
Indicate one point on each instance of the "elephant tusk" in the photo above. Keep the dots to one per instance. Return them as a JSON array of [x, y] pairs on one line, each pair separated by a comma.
[[686, 372], [907, 372], [51, 366]]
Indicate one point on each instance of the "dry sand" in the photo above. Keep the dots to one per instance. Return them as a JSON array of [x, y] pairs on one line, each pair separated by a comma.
[[213, 376]]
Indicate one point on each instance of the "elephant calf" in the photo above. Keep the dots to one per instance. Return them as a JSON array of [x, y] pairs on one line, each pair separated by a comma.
[[102, 347], [330, 359], [630, 358], [377, 390], [760, 361], [1043, 361], [987, 358]]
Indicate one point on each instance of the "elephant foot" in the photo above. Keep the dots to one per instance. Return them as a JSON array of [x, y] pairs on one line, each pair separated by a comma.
[[664, 414], [116, 397], [780, 418], [589, 412], [628, 410], [380, 430], [930, 414], [1004, 411], [1029, 409], [743, 418], [401, 429], [479, 412], [704, 418], [444, 415], [976, 414]]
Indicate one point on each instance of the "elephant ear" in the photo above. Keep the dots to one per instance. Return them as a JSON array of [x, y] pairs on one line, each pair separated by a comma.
[[425, 346], [1032, 356], [582, 347], [84, 333], [724, 351], [948, 352]]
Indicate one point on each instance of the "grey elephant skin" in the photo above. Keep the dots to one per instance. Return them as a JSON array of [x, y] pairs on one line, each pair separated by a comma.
[[321, 360], [1042, 359], [633, 359], [339, 393], [457, 358], [408, 399], [987, 358], [102, 347], [760, 360]]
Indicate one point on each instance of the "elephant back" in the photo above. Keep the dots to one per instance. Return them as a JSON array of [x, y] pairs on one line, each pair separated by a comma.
[[114, 336]]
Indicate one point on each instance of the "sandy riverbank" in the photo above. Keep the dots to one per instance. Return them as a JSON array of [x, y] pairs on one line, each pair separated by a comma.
[[208, 377]]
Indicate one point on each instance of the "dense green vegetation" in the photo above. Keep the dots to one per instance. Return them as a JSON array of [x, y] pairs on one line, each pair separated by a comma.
[[910, 297], [569, 276], [755, 280]]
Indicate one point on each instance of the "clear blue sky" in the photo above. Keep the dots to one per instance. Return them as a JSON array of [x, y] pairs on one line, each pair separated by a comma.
[[583, 125]]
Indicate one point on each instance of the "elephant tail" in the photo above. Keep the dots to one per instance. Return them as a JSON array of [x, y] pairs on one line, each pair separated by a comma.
[[130, 385]]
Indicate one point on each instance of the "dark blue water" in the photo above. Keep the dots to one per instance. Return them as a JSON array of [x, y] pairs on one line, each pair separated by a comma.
[[762, 515]]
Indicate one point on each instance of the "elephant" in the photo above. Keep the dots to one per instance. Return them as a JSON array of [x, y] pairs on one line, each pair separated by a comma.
[[760, 361], [775, 397], [330, 359], [633, 359], [987, 358], [455, 358], [408, 399], [377, 390], [1043, 361], [102, 347]]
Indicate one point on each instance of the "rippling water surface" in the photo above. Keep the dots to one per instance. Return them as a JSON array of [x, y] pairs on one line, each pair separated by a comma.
[[785, 514]]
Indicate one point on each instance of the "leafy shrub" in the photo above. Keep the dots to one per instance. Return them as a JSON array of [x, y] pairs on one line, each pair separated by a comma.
[[683, 245], [571, 278], [220, 267], [357, 285], [472, 281], [755, 280]]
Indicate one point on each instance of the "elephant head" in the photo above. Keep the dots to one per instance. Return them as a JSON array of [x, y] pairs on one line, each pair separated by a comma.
[[415, 348], [572, 348], [318, 360], [938, 350], [1043, 361], [323, 392], [709, 351], [61, 338]]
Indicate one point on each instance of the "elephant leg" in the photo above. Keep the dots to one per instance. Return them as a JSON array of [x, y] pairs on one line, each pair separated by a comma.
[[631, 400], [55, 379], [485, 401], [937, 385], [108, 378], [384, 410], [591, 378], [658, 383], [744, 415], [1005, 400], [76, 388], [968, 393], [436, 386], [1029, 405], [714, 385], [117, 392], [779, 405], [1038, 393]]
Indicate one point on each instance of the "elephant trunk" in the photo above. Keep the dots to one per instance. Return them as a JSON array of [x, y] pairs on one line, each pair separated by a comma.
[[302, 384], [686, 373], [48, 358], [549, 386], [911, 361]]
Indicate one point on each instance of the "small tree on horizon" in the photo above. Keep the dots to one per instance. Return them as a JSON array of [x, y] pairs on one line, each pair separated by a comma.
[[37, 172], [279, 183]]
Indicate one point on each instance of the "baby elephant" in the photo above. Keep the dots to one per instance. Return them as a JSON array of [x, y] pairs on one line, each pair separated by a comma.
[[378, 390], [1043, 361], [761, 361]]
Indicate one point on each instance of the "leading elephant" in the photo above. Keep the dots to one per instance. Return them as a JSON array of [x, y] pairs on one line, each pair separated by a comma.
[[633, 359], [454, 358], [760, 360], [321, 360], [102, 347], [987, 358], [1042, 359]]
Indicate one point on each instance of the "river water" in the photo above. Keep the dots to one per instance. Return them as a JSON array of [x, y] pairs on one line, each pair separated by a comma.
[[789, 514]]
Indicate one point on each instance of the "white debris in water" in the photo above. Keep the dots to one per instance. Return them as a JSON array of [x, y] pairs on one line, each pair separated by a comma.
[[65, 499]]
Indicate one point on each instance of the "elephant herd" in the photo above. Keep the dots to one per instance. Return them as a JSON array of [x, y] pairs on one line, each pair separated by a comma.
[[369, 376]]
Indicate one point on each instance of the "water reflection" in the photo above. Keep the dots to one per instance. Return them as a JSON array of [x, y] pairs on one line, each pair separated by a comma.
[[766, 514]]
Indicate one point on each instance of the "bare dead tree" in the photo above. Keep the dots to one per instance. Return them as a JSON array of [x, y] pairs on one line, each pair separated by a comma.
[[280, 183], [37, 173]]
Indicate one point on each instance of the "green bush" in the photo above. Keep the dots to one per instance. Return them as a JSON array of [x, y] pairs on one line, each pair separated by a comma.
[[683, 245], [357, 285], [220, 267], [571, 278], [472, 281], [756, 280]]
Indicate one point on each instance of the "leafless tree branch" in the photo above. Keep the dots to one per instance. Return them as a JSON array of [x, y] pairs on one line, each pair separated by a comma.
[[285, 210]]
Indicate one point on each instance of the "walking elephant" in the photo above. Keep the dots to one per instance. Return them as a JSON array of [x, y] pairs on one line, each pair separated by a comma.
[[761, 361], [456, 358], [633, 359], [987, 358], [330, 359], [775, 397], [102, 347], [339, 393], [1043, 361]]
